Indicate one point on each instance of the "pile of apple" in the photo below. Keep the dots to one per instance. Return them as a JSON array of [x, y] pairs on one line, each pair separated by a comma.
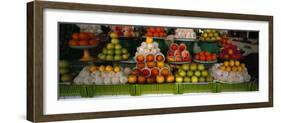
[[124, 31], [102, 75], [230, 51], [210, 35], [178, 53], [113, 50], [156, 32], [193, 73], [150, 68], [84, 39], [205, 56]]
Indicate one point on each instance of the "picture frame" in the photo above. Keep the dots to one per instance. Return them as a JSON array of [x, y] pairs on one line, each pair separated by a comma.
[[35, 60]]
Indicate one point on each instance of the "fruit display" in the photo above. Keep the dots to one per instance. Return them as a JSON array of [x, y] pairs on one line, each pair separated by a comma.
[[124, 31], [102, 75], [193, 73], [84, 39], [210, 35], [156, 32], [178, 53], [230, 72], [230, 51], [150, 65], [65, 76], [113, 50], [205, 56], [185, 33]]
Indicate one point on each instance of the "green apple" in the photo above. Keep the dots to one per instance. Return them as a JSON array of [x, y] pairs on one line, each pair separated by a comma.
[[201, 67], [118, 52], [101, 56], [115, 41], [194, 79], [113, 35], [117, 58], [197, 73], [193, 66], [110, 52], [201, 79], [109, 58], [186, 79], [118, 46], [189, 73], [124, 51], [110, 46], [185, 67], [125, 56], [63, 70], [179, 79], [209, 78], [182, 73], [104, 51], [63, 63], [204, 73], [66, 78]]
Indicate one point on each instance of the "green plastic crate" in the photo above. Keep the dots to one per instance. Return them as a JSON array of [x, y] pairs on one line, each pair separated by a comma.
[[167, 88], [197, 87], [72, 90], [224, 87], [211, 47], [99, 90]]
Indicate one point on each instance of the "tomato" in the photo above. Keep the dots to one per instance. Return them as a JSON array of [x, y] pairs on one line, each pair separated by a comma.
[[83, 43], [73, 43]]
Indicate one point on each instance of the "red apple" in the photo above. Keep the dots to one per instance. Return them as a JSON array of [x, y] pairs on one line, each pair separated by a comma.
[[136, 72], [141, 79]]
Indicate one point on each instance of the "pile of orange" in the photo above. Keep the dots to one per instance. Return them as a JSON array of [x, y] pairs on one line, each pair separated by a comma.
[[155, 32], [83, 39], [205, 56]]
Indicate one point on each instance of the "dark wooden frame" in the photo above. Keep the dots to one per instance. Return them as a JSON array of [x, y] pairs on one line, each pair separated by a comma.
[[35, 60]]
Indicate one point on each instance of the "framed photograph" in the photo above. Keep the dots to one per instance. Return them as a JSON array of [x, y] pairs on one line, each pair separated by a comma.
[[90, 61]]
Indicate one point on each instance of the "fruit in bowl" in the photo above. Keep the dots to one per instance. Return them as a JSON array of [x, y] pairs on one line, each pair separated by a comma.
[[205, 56], [210, 35], [84, 39], [155, 32]]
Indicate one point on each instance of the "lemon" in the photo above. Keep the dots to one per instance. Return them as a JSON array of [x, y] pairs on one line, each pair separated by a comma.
[[239, 68], [243, 65], [226, 63], [117, 69], [234, 69], [108, 68], [102, 68], [222, 68], [93, 68], [231, 63], [237, 63], [228, 69]]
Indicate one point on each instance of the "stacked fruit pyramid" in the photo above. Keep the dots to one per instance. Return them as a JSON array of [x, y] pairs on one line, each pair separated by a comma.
[[150, 67], [113, 50]]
